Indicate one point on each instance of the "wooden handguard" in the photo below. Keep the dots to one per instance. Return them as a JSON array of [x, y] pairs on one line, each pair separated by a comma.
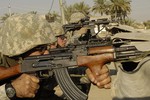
[[100, 50]]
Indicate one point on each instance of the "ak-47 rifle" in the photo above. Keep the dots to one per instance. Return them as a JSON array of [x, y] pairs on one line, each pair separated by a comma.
[[59, 60]]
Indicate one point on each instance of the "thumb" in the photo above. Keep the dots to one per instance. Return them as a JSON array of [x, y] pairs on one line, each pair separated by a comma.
[[35, 79]]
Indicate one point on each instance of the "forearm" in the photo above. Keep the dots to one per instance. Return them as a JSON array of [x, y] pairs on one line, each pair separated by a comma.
[[3, 95]]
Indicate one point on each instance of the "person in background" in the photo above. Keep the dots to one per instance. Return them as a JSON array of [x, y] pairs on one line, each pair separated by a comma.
[[59, 34], [74, 35]]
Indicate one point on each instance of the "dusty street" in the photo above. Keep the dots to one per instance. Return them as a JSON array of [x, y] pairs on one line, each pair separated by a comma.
[[99, 94]]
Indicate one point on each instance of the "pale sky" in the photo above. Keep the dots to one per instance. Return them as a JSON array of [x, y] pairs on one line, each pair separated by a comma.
[[140, 8]]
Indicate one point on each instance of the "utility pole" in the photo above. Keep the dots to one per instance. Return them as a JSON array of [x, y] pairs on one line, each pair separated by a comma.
[[9, 8], [62, 12]]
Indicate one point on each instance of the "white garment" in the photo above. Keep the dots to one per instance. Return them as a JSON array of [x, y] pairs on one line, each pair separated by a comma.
[[133, 86]]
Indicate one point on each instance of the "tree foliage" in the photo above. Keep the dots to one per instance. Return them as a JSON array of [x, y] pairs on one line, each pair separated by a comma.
[[5, 16], [82, 7], [77, 7], [68, 11], [100, 6], [118, 9]]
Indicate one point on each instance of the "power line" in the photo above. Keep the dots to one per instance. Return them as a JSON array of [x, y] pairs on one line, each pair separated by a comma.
[[9, 8], [51, 5], [62, 11]]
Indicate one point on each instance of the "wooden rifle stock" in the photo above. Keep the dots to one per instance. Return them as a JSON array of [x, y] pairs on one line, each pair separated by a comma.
[[9, 72]]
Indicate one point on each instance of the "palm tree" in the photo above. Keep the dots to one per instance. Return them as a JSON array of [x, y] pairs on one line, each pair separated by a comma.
[[82, 7], [3, 18], [100, 7], [120, 9], [77, 7], [68, 11]]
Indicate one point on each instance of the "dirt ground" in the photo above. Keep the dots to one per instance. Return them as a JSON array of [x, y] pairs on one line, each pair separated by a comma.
[[99, 94]]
